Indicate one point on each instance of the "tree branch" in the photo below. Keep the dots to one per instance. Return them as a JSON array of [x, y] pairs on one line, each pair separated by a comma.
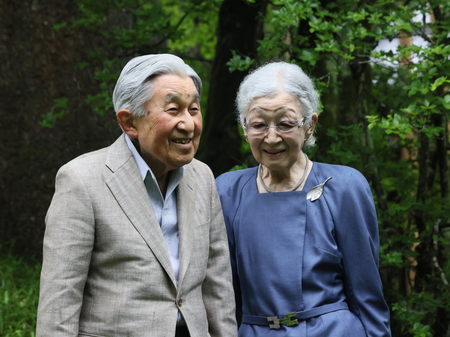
[[435, 254], [157, 44]]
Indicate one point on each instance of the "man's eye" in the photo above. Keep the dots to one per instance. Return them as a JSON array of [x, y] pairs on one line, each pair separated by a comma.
[[194, 110]]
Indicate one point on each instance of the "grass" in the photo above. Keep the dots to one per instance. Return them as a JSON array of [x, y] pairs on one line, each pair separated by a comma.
[[19, 296]]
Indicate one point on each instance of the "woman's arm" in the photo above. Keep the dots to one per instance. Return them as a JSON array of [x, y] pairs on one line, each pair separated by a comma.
[[229, 197], [357, 237]]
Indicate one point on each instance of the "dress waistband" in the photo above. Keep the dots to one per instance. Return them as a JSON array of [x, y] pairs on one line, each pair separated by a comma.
[[292, 318]]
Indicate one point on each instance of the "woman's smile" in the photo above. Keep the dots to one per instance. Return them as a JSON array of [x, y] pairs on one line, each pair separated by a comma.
[[274, 153]]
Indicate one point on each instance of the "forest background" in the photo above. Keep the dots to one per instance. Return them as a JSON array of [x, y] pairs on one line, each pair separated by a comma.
[[384, 112]]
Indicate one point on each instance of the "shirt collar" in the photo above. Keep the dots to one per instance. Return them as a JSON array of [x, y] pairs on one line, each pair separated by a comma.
[[175, 176]]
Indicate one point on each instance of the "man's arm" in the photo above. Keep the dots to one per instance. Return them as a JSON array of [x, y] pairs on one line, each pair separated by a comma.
[[68, 243], [218, 294]]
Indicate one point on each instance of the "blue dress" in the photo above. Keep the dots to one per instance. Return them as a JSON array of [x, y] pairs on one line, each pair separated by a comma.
[[313, 265]]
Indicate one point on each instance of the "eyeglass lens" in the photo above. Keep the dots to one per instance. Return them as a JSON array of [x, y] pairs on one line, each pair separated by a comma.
[[284, 127]]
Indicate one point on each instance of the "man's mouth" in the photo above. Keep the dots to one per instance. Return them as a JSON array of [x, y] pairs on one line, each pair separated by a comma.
[[181, 141]]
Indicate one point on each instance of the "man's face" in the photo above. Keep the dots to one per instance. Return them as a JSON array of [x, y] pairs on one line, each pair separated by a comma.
[[169, 134]]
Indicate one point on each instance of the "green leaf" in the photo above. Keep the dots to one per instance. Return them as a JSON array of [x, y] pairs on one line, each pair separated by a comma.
[[59, 26], [358, 16], [60, 102], [438, 82], [238, 167], [238, 63], [6, 299], [82, 65]]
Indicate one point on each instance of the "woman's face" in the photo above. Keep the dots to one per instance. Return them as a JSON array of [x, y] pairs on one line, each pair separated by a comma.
[[276, 150]]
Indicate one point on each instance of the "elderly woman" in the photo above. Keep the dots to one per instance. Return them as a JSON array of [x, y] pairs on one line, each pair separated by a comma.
[[303, 235]]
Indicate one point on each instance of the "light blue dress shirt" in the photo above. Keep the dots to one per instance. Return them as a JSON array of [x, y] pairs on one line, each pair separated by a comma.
[[165, 209]]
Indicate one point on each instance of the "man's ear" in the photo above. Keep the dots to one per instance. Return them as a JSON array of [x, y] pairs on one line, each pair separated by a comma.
[[127, 122]]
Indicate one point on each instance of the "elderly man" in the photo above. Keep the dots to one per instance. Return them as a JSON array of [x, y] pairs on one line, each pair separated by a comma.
[[135, 243]]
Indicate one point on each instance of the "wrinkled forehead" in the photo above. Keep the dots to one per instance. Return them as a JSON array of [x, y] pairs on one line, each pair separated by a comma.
[[274, 107]]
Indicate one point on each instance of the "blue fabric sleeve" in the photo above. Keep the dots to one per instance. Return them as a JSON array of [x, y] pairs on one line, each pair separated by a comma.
[[353, 210]]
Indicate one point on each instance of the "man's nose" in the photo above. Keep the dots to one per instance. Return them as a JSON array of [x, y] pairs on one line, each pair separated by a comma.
[[186, 122]]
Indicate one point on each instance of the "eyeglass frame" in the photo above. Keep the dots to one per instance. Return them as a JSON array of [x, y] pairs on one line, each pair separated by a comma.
[[299, 125]]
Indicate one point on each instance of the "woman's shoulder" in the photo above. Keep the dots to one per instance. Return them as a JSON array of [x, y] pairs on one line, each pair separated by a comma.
[[235, 177], [347, 183], [230, 184], [344, 174]]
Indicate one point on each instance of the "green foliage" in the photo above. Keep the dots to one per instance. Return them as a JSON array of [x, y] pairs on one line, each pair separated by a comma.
[[59, 26], [197, 33], [239, 63], [403, 311], [19, 296], [48, 120], [130, 28], [238, 167]]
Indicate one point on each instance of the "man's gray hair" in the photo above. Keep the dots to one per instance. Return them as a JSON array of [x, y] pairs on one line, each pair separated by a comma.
[[271, 79], [134, 88]]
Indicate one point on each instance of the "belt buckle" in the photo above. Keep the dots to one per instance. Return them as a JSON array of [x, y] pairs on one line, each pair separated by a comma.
[[286, 320]]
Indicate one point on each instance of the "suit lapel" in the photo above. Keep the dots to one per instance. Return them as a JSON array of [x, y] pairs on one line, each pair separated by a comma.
[[186, 193], [126, 184]]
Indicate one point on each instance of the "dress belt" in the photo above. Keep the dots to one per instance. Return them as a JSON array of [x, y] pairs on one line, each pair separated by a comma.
[[294, 317]]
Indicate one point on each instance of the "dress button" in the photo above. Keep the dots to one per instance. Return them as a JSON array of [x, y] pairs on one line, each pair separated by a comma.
[[179, 301]]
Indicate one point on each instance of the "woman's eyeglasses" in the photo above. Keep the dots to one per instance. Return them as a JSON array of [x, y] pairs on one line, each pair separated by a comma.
[[260, 129]]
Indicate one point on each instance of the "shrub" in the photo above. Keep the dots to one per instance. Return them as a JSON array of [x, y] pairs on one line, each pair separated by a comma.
[[19, 295]]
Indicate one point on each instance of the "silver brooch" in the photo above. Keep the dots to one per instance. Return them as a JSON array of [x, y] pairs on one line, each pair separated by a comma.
[[315, 192]]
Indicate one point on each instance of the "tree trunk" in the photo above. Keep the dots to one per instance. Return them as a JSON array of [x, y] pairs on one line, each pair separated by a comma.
[[39, 64], [239, 29]]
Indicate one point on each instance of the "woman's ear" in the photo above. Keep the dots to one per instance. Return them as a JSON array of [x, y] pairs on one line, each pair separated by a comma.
[[127, 122], [311, 128], [245, 131]]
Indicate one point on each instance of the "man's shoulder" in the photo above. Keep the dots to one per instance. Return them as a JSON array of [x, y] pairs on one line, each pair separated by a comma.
[[199, 174], [197, 167], [88, 161], [91, 162], [100, 156]]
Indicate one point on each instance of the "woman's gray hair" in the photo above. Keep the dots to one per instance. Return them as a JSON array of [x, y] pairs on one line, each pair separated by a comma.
[[134, 88], [272, 78]]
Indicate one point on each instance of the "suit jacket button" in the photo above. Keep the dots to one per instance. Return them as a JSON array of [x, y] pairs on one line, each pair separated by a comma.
[[179, 301]]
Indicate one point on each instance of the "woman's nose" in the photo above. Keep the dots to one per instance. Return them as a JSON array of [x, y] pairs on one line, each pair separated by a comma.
[[272, 135]]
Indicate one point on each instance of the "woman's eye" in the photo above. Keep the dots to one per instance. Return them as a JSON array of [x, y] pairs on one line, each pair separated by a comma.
[[259, 126], [286, 126]]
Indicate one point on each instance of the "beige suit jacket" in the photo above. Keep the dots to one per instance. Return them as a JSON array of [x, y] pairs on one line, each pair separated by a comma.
[[106, 268]]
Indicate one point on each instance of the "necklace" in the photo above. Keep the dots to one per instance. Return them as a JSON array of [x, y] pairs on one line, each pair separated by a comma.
[[292, 189]]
